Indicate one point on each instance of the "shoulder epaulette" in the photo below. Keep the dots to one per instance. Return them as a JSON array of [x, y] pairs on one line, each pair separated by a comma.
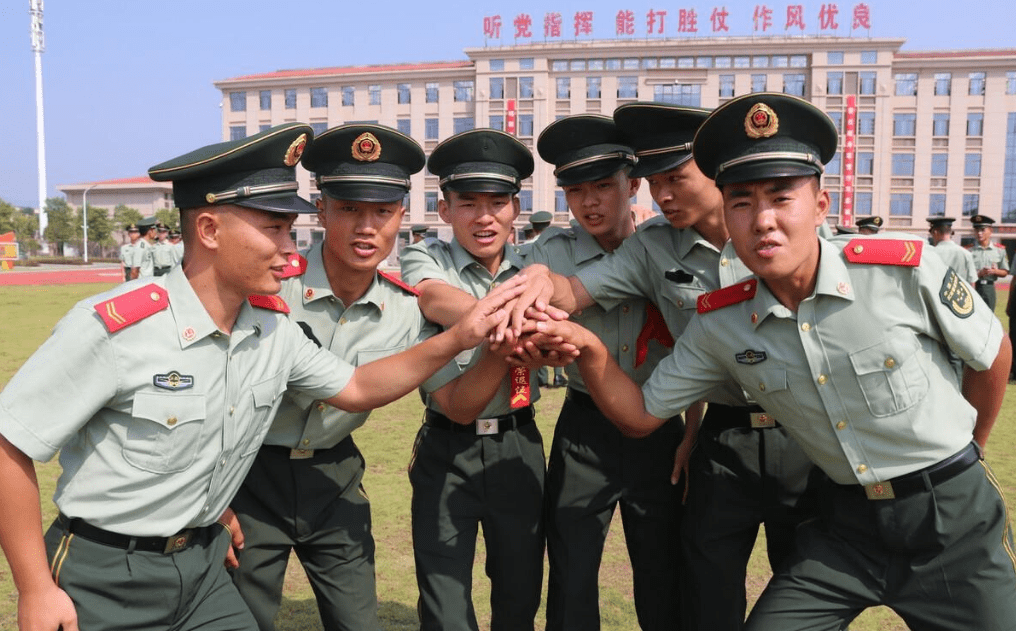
[[727, 296], [273, 302], [902, 252], [999, 245], [297, 265], [133, 306], [652, 222], [398, 283]]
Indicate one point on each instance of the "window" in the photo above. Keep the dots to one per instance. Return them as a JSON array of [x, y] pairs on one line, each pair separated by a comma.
[[703, 62], [559, 65], [560, 203], [563, 87], [497, 65], [798, 61], [936, 205], [264, 127], [526, 87], [971, 201], [1009, 172], [781, 61], [869, 57], [866, 123], [976, 84], [760, 61], [526, 201], [577, 65], [596, 64], [237, 132], [972, 165], [865, 163], [940, 124], [430, 129], [319, 127], [613, 64], [741, 62], [939, 164], [405, 126], [834, 58], [943, 83], [497, 122], [680, 94], [348, 95], [833, 167], [290, 95], [650, 62], [462, 123], [862, 204], [834, 83], [265, 98], [374, 94], [593, 87], [726, 85], [793, 84], [901, 204], [723, 62], [975, 124], [906, 84], [867, 83], [404, 92], [834, 203], [463, 90], [319, 97], [1010, 82], [758, 83], [238, 101], [430, 89], [837, 119], [497, 87], [904, 124], [526, 63], [903, 164], [627, 87], [430, 201], [525, 124]]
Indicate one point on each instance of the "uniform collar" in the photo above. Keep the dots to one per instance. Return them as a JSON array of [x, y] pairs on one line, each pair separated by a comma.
[[192, 320], [587, 248], [687, 239], [315, 279], [463, 259]]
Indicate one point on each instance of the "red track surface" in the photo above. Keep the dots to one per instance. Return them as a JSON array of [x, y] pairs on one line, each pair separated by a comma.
[[54, 275]]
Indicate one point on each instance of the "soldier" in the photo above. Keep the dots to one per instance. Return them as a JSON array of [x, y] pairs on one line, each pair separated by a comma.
[[143, 261], [593, 468], [174, 240], [989, 259], [419, 232], [154, 444], [913, 519], [868, 225], [127, 251], [954, 255], [162, 252]]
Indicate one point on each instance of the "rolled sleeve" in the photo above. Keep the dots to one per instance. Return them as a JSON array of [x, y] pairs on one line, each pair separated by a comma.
[[618, 276], [419, 264], [685, 376]]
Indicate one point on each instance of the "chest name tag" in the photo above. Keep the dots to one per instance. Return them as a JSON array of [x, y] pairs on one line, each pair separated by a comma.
[[750, 357], [173, 381]]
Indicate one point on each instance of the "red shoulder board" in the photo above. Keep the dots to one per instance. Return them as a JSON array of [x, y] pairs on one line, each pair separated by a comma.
[[297, 265], [727, 296], [272, 302], [903, 252], [999, 245], [398, 282], [134, 306]]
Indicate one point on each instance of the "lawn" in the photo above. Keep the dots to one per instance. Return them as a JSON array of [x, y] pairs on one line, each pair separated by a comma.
[[28, 314]]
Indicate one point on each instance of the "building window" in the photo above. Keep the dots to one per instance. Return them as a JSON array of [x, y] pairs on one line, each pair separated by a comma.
[[972, 165], [867, 83], [563, 87], [760, 61], [613, 64], [798, 61], [975, 124], [866, 123], [319, 127], [939, 164], [688, 95], [526, 87], [781, 61], [650, 63], [630, 63], [238, 101], [237, 132], [319, 97], [1009, 172], [741, 62], [971, 201], [497, 122], [901, 204], [526, 125], [526, 201], [943, 83], [903, 164], [577, 65], [405, 126], [290, 95], [834, 203], [940, 124], [627, 87], [264, 127], [906, 84], [834, 58], [431, 92], [723, 62], [463, 90], [430, 129], [593, 87], [461, 124], [560, 203], [1010, 82], [497, 87], [497, 65], [758, 83], [833, 167], [936, 205], [862, 204], [976, 84], [869, 57], [265, 98], [348, 95], [837, 119], [793, 84], [374, 94], [726, 85], [430, 201], [526, 63], [865, 163], [596, 64], [834, 83], [904, 124], [703, 62], [404, 92]]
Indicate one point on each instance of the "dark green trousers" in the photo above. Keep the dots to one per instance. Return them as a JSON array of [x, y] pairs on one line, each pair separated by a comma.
[[942, 558], [987, 291], [317, 508], [593, 469], [115, 589], [462, 481]]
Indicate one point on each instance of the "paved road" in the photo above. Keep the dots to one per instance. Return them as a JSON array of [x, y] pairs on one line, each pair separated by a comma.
[[62, 275]]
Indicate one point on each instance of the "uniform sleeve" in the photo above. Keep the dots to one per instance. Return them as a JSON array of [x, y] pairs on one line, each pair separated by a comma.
[[685, 376], [314, 371], [618, 276], [419, 264], [62, 385]]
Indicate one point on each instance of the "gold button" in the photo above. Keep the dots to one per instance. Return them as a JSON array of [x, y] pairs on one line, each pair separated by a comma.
[[889, 362], [841, 425], [762, 387], [171, 421], [154, 295], [862, 468], [747, 287], [342, 320], [822, 379], [231, 410], [724, 262], [680, 303], [320, 406], [858, 249], [306, 441], [624, 349], [806, 327]]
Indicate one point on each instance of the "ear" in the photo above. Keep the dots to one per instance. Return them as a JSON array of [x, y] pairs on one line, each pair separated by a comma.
[[517, 206], [206, 229], [821, 207], [443, 210], [634, 183]]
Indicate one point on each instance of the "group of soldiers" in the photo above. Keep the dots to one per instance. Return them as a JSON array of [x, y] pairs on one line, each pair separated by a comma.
[[152, 249], [727, 368]]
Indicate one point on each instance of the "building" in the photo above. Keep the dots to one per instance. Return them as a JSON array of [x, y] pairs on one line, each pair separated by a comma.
[[141, 193], [923, 133]]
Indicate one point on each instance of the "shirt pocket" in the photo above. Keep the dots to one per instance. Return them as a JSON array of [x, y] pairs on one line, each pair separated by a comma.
[[890, 374], [266, 396], [374, 354], [165, 433], [768, 384]]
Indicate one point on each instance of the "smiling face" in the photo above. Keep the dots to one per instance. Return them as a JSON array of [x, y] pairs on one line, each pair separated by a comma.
[[603, 207], [481, 222], [252, 248], [358, 235], [685, 195]]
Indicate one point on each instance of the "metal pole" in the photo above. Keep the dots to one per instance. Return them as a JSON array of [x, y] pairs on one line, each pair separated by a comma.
[[84, 218], [38, 46]]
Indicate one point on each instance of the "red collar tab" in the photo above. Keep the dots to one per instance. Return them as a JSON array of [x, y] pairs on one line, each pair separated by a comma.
[[273, 302]]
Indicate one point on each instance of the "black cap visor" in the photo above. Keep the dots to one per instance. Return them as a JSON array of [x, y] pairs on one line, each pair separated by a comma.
[[288, 204]]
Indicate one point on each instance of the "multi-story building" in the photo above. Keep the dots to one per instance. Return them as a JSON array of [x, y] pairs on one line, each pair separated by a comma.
[[923, 133], [142, 193]]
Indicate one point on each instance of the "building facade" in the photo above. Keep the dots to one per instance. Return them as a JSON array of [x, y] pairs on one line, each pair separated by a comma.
[[141, 193]]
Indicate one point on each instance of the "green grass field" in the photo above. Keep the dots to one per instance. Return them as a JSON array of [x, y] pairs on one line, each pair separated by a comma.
[[28, 314]]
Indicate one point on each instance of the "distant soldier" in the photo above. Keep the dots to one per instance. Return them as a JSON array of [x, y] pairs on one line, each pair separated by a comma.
[[989, 259], [869, 225], [954, 255], [127, 251]]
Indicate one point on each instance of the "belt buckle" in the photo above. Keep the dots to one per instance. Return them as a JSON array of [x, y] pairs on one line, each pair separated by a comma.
[[177, 542], [300, 454], [761, 420], [486, 426], [880, 491]]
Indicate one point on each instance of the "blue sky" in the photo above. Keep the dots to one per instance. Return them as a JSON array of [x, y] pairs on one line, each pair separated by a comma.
[[128, 83]]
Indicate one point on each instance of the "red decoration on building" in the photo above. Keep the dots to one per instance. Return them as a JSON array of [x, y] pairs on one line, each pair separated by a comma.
[[687, 21], [795, 17], [719, 19], [509, 119], [552, 25], [624, 24], [763, 17], [651, 20], [523, 26], [849, 152], [583, 23], [827, 17], [862, 16], [492, 26]]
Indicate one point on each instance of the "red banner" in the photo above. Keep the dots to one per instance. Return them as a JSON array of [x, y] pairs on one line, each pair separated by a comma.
[[509, 119], [849, 137]]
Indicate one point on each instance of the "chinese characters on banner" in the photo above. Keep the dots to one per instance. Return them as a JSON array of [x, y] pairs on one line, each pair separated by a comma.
[[764, 19], [849, 133]]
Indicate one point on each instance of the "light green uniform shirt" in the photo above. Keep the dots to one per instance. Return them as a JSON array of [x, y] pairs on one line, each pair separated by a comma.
[[451, 263], [860, 375], [126, 254], [162, 254], [142, 258], [386, 320], [958, 258], [566, 251], [140, 455], [991, 256]]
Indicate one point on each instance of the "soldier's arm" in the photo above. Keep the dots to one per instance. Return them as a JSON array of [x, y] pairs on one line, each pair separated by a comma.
[[464, 398], [443, 303], [544, 288], [985, 389]]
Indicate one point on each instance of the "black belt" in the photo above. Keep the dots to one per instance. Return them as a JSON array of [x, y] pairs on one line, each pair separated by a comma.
[[164, 545], [723, 417], [301, 454], [482, 426], [912, 483], [981, 281], [580, 398]]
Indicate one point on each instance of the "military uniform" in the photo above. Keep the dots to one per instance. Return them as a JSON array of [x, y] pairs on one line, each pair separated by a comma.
[[127, 254], [954, 255], [867, 225], [162, 254], [992, 255]]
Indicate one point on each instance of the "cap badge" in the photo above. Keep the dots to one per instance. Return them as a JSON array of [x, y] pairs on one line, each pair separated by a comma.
[[761, 122], [366, 147], [295, 150]]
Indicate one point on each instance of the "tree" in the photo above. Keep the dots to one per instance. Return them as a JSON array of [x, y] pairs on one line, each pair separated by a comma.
[[61, 228], [124, 216], [7, 213], [169, 217], [100, 226]]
